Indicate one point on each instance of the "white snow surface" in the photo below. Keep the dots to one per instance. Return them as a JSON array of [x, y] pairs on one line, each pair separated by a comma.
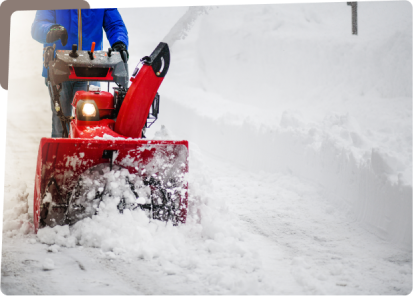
[[300, 163]]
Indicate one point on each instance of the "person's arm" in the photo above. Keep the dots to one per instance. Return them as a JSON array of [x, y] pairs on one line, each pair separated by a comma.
[[115, 27], [43, 21]]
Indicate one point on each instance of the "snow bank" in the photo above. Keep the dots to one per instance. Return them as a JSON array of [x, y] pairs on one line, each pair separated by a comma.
[[359, 186], [16, 220], [287, 88]]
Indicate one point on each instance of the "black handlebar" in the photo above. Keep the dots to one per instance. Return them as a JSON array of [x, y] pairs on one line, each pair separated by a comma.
[[124, 56]]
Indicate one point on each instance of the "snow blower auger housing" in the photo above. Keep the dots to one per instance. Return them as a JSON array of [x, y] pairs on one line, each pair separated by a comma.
[[106, 138]]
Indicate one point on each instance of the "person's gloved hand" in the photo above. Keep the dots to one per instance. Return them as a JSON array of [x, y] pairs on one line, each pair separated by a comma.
[[57, 32], [121, 47]]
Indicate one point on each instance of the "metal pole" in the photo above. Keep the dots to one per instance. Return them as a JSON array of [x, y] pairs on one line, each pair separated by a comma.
[[79, 26], [353, 16]]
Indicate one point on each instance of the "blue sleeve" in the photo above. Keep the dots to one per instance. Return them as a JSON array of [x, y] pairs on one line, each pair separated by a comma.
[[42, 22], [115, 27]]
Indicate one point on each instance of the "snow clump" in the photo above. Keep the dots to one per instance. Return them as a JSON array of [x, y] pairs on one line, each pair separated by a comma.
[[48, 264]]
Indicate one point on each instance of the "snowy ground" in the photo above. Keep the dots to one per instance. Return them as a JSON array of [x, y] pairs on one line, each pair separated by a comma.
[[300, 159]]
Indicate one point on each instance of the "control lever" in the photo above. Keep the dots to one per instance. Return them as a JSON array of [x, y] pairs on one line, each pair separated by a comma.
[[91, 51], [110, 52], [74, 54]]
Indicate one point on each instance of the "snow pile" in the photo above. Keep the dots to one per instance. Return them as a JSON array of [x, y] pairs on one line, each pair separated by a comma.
[[16, 220], [58, 235], [287, 88], [210, 245]]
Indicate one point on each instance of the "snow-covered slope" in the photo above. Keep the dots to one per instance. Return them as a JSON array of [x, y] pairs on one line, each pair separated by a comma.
[[288, 88], [300, 159]]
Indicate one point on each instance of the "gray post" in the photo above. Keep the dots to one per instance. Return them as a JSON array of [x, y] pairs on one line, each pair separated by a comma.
[[353, 16]]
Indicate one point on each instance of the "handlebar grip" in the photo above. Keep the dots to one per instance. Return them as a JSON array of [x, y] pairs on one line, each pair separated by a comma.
[[124, 56]]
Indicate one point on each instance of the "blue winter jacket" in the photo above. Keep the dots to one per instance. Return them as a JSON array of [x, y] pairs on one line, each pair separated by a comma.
[[92, 22]]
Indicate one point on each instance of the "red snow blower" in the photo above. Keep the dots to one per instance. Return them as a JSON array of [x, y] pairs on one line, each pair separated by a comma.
[[106, 135]]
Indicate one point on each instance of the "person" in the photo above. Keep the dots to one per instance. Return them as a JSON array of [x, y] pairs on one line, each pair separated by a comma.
[[65, 28]]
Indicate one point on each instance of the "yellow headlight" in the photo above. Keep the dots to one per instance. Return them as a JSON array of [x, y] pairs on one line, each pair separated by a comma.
[[89, 110]]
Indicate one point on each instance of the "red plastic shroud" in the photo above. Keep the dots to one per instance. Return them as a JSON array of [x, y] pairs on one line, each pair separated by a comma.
[[137, 103]]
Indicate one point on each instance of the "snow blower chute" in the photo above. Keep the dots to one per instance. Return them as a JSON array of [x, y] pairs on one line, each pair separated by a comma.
[[106, 138]]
